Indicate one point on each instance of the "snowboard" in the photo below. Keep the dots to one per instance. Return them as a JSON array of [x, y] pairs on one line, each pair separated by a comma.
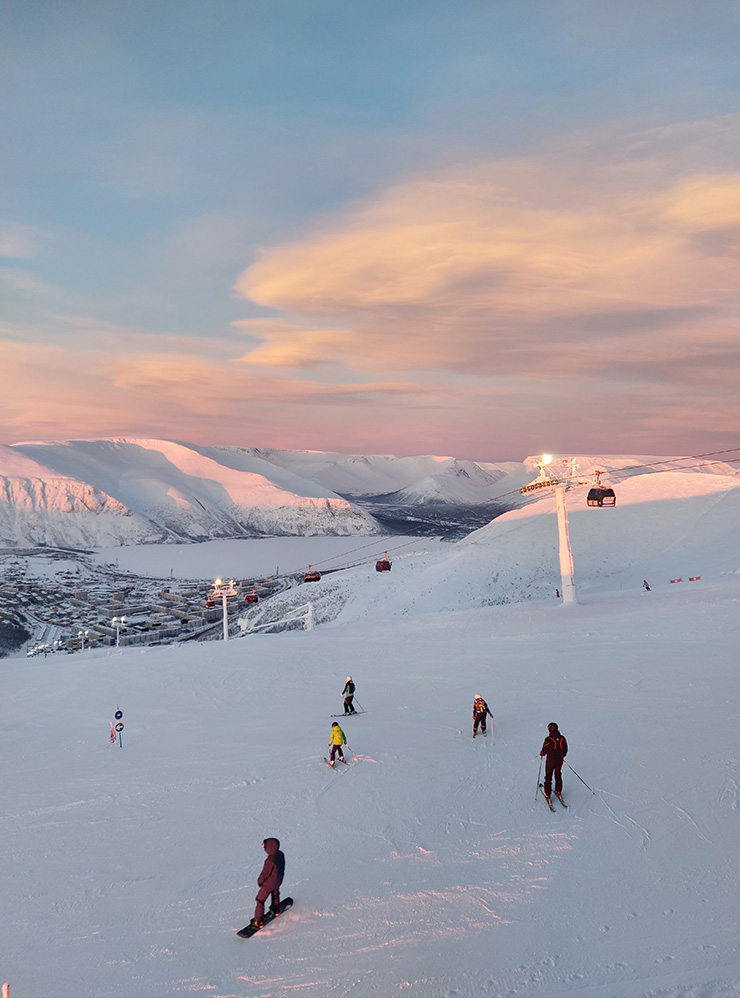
[[249, 930]]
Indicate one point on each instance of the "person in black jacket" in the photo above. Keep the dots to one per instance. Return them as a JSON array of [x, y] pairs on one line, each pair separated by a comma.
[[349, 694], [555, 749], [269, 880], [480, 710]]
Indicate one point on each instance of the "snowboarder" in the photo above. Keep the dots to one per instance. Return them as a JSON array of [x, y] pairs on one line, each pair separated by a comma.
[[336, 740], [480, 710], [269, 881], [555, 748], [348, 693]]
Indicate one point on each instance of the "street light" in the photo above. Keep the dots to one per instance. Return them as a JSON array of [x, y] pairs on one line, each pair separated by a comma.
[[118, 623], [224, 590], [82, 635]]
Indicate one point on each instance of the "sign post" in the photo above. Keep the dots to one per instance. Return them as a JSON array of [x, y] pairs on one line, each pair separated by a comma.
[[119, 726]]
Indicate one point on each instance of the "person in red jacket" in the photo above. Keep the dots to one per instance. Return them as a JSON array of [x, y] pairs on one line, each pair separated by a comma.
[[269, 880], [555, 749]]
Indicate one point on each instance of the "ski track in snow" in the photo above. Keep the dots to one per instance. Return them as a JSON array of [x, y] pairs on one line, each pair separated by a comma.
[[427, 867]]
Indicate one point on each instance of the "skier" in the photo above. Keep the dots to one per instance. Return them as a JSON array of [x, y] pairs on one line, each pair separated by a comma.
[[348, 693], [480, 709], [269, 881], [336, 740], [555, 748], [645, 586]]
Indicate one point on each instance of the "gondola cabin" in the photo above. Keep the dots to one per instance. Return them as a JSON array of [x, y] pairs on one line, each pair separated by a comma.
[[601, 497], [383, 564], [210, 604], [312, 576], [251, 598]]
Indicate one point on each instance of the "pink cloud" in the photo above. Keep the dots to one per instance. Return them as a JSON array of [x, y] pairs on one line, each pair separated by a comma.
[[104, 384]]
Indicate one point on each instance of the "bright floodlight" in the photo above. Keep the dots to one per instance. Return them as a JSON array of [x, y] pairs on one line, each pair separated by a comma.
[[218, 582], [546, 458]]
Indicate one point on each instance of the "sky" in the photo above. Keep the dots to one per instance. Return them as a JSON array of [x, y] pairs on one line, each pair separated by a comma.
[[487, 228]]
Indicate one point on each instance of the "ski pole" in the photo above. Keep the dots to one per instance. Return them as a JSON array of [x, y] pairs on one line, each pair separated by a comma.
[[350, 750], [582, 780], [539, 773], [359, 704]]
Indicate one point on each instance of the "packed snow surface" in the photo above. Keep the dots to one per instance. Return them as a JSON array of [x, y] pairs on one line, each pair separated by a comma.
[[427, 867]]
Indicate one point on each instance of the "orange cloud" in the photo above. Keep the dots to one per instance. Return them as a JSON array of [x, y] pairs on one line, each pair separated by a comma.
[[498, 269], [289, 344]]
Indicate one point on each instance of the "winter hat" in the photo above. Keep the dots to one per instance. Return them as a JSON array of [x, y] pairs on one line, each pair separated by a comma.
[[552, 724], [335, 724]]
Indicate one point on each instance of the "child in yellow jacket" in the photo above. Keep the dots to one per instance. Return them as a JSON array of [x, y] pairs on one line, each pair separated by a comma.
[[336, 740]]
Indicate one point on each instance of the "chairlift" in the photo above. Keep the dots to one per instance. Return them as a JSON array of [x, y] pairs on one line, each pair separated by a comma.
[[383, 564], [210, 604], [251, 597], [312, 576], [601, 497]]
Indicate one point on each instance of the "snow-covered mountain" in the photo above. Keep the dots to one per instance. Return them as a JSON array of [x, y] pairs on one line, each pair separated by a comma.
[[101, 493], [130, 491], [97, 493], [419, 479]]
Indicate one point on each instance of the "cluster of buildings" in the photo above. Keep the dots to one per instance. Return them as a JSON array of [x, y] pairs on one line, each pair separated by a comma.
[[67, 603]]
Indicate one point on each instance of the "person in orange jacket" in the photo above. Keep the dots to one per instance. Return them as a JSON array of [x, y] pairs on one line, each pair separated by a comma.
[[480, 711]]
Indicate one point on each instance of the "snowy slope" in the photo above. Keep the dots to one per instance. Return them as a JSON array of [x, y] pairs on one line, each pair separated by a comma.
[[427, 868], [664, 526], [183, 494]]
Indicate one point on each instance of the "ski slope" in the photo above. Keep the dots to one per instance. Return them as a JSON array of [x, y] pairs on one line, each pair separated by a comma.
[[428, 867]]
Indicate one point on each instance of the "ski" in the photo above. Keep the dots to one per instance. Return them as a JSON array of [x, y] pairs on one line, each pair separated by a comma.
[[549, 802], [349, 715], [334, 766], [561, 800]]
